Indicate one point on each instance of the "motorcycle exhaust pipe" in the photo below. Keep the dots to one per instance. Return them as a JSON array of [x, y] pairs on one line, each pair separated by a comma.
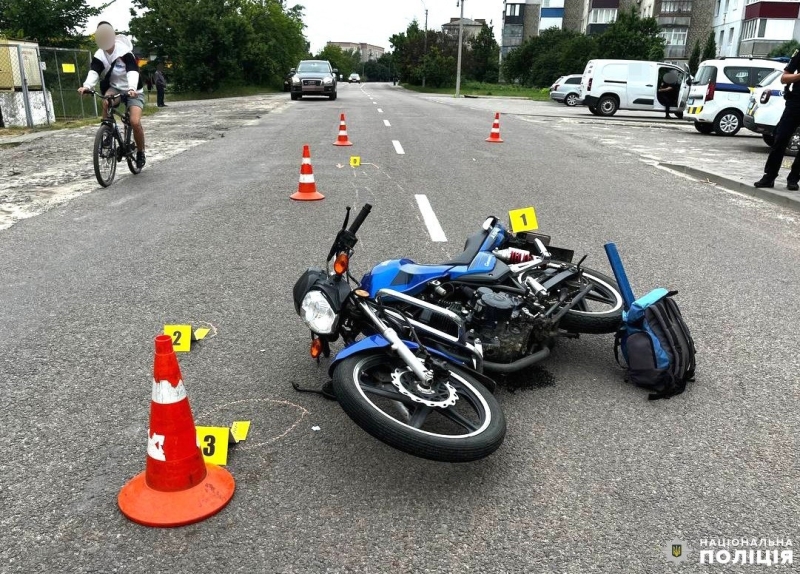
[[518, 365]]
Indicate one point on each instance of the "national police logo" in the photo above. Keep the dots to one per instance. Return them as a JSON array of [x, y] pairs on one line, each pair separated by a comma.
[[677, 551]]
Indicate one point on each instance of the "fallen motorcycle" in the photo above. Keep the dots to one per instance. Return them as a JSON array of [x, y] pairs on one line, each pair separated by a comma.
[[419, 339]]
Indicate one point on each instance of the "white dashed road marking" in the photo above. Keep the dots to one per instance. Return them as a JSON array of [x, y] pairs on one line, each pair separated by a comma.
[[387, 124], [429, 217], [398, 148], [380, 111]]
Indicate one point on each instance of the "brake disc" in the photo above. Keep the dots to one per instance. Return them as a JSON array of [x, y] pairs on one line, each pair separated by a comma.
[[435, 398]]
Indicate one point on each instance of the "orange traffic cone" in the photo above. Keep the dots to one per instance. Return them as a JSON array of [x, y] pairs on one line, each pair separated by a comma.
[[494, 136], [307, 190], [342, 139], [177, 487]]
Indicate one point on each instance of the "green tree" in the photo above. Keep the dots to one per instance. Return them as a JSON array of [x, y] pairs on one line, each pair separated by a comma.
[[785, 49], [485, 60], [542, 59], [710, 49], [49, 22], [694, 59], [632, 37], [212, 43], [344, 61]]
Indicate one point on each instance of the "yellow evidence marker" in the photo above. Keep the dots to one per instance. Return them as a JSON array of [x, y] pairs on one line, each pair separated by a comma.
[[239, 430], [213, 443], [181, 337], [523, 220], [355, 160], [68, 68]]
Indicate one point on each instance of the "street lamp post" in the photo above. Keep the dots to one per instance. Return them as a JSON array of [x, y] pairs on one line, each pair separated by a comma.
[[460, 40]]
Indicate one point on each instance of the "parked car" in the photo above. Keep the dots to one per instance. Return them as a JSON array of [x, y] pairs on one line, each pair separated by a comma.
[[354, 78], [765, 109], [611, 85], [314, 78], [721, 91], [567, 89]]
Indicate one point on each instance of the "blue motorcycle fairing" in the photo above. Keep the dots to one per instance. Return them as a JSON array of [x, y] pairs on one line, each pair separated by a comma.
[[374, 342], [495, 239], [405, 276]]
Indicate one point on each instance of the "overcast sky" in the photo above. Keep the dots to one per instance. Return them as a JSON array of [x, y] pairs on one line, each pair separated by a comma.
[[371, 21]]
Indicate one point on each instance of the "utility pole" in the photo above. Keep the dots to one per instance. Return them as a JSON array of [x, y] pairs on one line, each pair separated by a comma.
[[425, 53], [460, 41]]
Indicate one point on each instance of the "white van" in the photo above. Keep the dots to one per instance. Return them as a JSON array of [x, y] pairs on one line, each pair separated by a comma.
[[721, 92], [611, 85]]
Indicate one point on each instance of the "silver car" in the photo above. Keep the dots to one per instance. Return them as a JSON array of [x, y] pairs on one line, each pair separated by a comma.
[[567, 90]]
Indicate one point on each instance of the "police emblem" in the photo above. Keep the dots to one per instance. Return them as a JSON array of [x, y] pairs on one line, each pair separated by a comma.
[[677, 551]]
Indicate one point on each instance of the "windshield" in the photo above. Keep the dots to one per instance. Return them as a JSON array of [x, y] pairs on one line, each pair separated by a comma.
[[321, 67], [770, 78], [705, 75]]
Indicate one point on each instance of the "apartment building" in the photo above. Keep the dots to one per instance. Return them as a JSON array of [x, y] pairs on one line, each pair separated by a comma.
[[727, 26], [521, 20], [766, 25], [368, 51], [471, 28]]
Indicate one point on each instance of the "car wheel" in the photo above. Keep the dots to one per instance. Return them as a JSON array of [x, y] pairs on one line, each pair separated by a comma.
[[728, 123], [607, 106], [703, 128], [333, 96], [296, 96], [593, 109], [571, 100]]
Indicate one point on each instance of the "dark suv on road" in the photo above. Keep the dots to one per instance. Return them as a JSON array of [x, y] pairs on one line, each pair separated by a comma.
[[314, 78]]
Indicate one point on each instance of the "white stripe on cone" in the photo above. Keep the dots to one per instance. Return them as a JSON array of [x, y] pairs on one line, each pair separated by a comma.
[[306, 161], [166, 394], [307, 178]]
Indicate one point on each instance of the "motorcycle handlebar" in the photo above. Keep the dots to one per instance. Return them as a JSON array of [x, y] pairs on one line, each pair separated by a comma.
[[362, 215]]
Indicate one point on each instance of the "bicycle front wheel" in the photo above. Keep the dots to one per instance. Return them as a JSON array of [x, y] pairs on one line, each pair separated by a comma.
[[130, 146], [105, 155]]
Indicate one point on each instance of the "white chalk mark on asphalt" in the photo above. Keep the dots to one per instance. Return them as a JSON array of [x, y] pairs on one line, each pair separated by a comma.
[[429, 217], [380, 111], [398, 148], [387, 124], [374, 102]]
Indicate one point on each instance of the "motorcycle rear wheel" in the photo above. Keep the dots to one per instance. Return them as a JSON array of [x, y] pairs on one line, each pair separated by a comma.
[[471, 429], [600, 311]]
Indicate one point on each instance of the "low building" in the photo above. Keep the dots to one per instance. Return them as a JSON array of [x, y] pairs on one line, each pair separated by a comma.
[[368, 51], [471, 27]]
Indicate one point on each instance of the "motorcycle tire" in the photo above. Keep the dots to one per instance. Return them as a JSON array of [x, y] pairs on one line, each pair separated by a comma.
[[601, 321], [364, 389]]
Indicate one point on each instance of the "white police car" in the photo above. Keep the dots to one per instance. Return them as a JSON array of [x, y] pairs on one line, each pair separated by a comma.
[[720, 92], [765, 109]]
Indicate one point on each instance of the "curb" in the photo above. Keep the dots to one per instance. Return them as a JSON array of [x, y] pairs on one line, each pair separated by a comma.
[[776, 196]]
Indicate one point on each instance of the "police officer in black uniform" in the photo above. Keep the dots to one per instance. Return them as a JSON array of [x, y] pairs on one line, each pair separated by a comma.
[[789, 122]]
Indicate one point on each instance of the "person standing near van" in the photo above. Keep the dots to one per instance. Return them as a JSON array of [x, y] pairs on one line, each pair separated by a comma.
[[161, 86], [668, 92], [789, 122]]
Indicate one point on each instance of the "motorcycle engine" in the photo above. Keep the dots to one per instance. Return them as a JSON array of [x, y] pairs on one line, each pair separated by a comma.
[[502, 323]]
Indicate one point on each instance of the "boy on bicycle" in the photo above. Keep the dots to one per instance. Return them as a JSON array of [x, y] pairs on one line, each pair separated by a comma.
[[117, 66]]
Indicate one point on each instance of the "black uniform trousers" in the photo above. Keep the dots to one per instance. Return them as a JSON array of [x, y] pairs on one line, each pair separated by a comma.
[[789, 122]]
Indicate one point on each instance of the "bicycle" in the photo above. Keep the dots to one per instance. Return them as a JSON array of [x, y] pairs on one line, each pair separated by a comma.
[[109, 146]]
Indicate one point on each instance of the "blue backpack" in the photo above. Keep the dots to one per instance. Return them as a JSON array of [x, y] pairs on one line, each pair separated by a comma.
[[656, 344]]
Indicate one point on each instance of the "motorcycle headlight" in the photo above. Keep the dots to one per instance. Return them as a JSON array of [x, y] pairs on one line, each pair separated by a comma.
[[317, 313], [327, 80], [295, 79]]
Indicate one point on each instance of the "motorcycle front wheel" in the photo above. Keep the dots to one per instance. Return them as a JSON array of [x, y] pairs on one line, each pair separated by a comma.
[[458, 420]]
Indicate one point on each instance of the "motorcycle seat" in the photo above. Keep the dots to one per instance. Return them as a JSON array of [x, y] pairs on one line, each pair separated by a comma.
[[471, 248]]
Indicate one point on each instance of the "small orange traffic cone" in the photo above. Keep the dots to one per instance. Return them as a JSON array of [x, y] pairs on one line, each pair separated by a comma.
[[307, 189], [494, 136], [177, 487], [342, 139]]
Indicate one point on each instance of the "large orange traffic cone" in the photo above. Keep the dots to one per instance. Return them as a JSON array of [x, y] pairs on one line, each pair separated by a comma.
[[307, 190], [177, 487], [342, 139], [494, 136]]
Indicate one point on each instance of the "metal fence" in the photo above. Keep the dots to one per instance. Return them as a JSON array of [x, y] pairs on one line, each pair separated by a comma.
[[39, 85]]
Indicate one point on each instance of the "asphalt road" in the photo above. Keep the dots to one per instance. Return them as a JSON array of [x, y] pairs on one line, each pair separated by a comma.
[[591, 478]]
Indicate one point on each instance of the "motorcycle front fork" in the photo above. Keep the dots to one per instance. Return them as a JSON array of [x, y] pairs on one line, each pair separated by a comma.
[[409, 358]]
